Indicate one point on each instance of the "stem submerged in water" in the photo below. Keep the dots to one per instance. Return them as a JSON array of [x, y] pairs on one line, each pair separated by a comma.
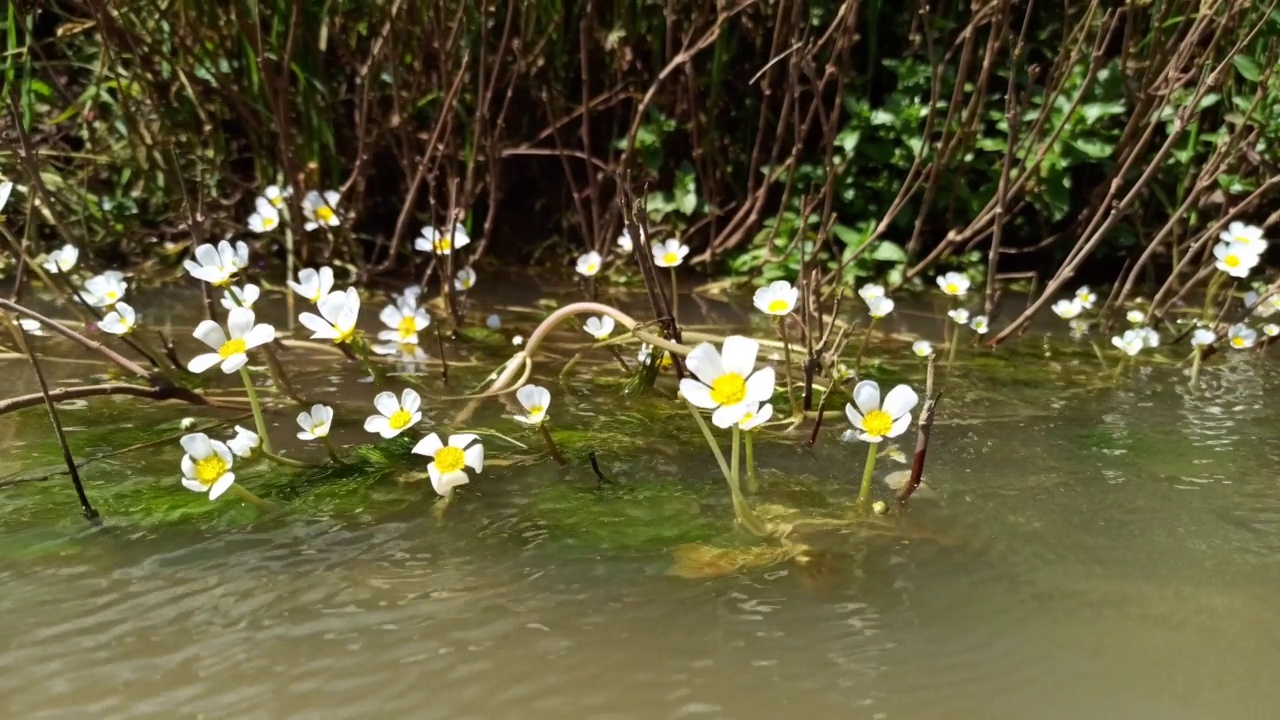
[[753, 485], [786, 363], [740, 507], [864, 491]]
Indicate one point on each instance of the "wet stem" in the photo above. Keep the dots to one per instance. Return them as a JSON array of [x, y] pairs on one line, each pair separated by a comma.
[[551, 445], [675, 298], [1196, 355], [864, 491], [740, 507], [248, 496], [955, 344], [258, 419], [786, 364], [857, 363], [753, 486]]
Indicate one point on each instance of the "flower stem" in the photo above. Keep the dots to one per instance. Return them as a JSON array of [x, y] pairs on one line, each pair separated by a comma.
[[786, 363], [333, 454], [955, 344], [857, 362], [248, 496], [734, 466], [675, 298], [753, 485], [740, 507], [551, 445], [258, 419], [288, 267], [864, 491], [1211, 293], [1195, 366]]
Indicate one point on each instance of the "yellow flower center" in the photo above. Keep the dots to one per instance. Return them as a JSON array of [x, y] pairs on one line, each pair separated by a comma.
[[729, 389], [746, 419], [666, 362], [444, 245], [210, 469], [777, 306], [111, 295], [314, 297], [670, 258], [399, 419], [591, 268], [449, 459], [324, 214], [1231, 261], [1237, 342], [277, 201], [408, 348], [952, 289], [344, 335], [536, 411], [268, 222], [407, 327], [234, 346], [877, 423]]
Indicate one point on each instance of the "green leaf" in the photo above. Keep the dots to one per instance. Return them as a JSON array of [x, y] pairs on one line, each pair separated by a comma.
[[686, 189], [1247, 67], [889, 251]]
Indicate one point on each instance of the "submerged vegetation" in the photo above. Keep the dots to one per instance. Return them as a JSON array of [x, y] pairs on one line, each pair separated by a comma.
[[306, 152]]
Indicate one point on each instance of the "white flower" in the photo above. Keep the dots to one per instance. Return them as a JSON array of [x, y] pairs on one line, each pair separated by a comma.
[[321, 209], [187, 423], [105, 289], [870, 292], [395, 416], [599, 328], [276, 196], [1131, 342], [535, 400], [313, 284], [206, 467], [959, 315], [1249, 236], [31, 327], [339, 312], [408, 351], [1086, 297], [1202, 337], [874, 422], [120, 321], [240, 256], [407, 301], [1271, 329], [669, 254], [236, 297], [1068, 309], [755, 416], [1078, 327], [1150, 337], [6, 187], [493, 322], [62, 259], [448, 461], [214, 264], [922, 348], [465, 279], [1266, 308], [244, 443], [265, 218], [1234, 258], [624, 241], [588, 264], [779, 298], [727, 381], [404, 325], [230, 351], [980, 324], [434, 241], [518, 340], [1135, 317], [315, 424], [1241, 336], [879, 307], [954, 283]]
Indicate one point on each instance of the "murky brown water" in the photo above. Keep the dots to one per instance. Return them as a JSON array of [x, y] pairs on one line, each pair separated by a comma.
[[1090, 553]]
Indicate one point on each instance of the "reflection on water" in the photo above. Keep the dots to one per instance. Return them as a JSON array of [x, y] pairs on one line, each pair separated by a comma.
[[1090, 553]]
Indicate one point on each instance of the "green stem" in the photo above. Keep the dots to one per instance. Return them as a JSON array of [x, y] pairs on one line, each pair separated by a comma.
[[247, 495], [740, 507], [288, 267], [864, 491], [786, 360], [734, 466], [551, 445], [955, 345], [288, 462], [258, 419], [1211, 294], [1195, 366], [857, 363], [753, 485], [333, 454], [675, 298]]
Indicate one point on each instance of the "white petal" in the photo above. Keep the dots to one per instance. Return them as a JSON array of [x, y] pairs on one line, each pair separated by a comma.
[[726, 416], [386, 403], [391, 316], [234, 363], [222, 484], [410, 400], [461, 440], [429, 446], [210, 334], [320, 329], [900, 425], [473, 457], [194, 485], [377, 424], [866, 395], [200, 363], [760, 386], [239, 322], [697, 393], [900, 401], [259, 334], [197, 446], [444, 484], [739, 355], [704, 362], [855, 417]]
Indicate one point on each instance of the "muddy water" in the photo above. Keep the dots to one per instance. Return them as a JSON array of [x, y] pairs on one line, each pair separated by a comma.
[[1088, 552]]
